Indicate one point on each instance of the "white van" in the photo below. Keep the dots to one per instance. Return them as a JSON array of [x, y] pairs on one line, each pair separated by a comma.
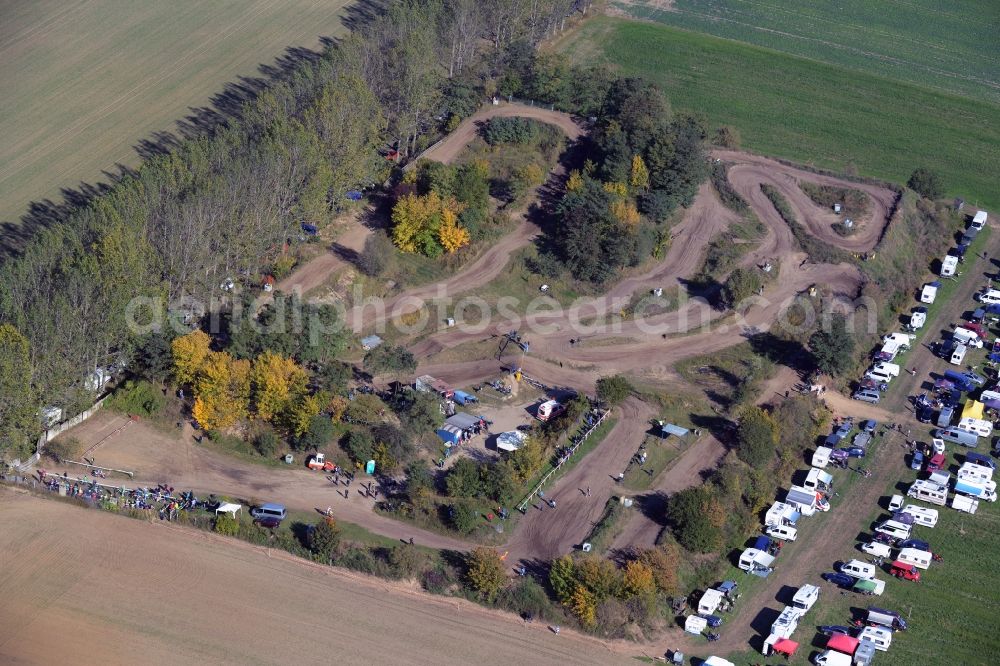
[[858, 569], [958, 355], [878, 376], [918, 558], [877, 549], [962, 437], [887, 368], [978, 220], [981, 427], [989, 296], [922, 516], [927, 491], [817, 479], [894, 528], [880, 636], [949, 265], [895, 502], [832, 658], [783, 532], [966, 337], [928, 294]]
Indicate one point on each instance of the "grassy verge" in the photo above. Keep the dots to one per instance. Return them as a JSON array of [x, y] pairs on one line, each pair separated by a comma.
[[808, 111], [608, 526], [731, 376]]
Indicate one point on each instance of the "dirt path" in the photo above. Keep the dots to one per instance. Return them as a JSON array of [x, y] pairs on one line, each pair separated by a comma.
[[545, 533], [86, 585], [749, 171], [162, 457], [647, 519], [318, 270], [449, 148]]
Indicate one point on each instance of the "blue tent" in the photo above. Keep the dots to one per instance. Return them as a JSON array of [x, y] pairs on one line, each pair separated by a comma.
[[354, 195], [463, 398], [449, 434]]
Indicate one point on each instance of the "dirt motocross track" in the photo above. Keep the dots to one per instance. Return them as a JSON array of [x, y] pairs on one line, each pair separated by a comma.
[[649, 348]]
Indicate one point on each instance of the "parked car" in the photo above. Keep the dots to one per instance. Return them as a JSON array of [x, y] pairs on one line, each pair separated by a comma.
[[936, 463], [917, 462], [876, 549], [853, 451], [915, 543], [867, 395], [838, 579], [829, 629], [904, 571], [869, 426], [925, 413], [980, 459]]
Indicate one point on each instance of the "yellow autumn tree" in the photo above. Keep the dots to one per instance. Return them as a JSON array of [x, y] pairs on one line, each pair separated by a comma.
[[638, 580], [575, 181], [451, 235], [189, 352], [583, 603], [222, 391], [621, 189], [625, 212], [300, 412], [530, 175], [639, 177], [337, 407], [416, 220], [276, 383]]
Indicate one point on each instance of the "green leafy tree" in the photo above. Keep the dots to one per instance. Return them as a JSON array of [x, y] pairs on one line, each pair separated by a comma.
[[320, 433], [926, 183], [422, 412], [324, 538], [463, 479], [757, 437], [486, 573], [692, 525], [464, 518], [563, 578], [359, 445], [376, 255], [419, 480], [832, 346], [18, 404], [390, 360], [613, 389], [741, 284]]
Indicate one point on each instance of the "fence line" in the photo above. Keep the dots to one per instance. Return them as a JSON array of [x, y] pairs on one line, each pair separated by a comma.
[[52, 433], [523, 505]]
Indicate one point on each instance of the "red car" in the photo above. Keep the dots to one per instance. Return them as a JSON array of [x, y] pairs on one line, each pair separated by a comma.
[[936, 462], [904, 571], [978, 329]]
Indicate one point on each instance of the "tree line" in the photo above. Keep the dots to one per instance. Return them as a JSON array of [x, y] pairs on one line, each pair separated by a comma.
[[224, 205]]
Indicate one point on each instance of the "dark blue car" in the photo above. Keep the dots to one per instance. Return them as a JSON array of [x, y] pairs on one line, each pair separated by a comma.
[[917, 462], [840, 579], [853, 451], [869, 425], [915, 543], [830, 629]]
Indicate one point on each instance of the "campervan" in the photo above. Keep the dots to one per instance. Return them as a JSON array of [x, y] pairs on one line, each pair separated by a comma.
[[886, 618], [890, 369], [957, 355], [781, 514], [962, 437], [928, 492], [981, 427], [949, 265], [879, 375], [822, 456], [753, 560], [817, 479], [806, 597], [966, 337], [918, 318], [918, 558], [970, 471], [879, 636], [984, 491], [964, 504], [922, 516], [929, 292]]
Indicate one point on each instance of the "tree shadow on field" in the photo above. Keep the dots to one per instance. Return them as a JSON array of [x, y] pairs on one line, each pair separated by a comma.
[[359, 15]]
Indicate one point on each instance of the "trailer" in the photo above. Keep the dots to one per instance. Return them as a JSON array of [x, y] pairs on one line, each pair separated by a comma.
[[822, 456], [965, 504]]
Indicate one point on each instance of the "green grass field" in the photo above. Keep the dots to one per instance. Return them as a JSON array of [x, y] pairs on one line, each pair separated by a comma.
[[83, 82], [945, 46], [808, 111]]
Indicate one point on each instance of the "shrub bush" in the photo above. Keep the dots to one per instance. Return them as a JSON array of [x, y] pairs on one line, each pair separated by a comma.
[[226, 525], [140, 398], [509, 130]]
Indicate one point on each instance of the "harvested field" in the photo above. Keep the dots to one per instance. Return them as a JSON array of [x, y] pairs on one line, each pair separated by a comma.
[[84, 82], [81, 582]]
